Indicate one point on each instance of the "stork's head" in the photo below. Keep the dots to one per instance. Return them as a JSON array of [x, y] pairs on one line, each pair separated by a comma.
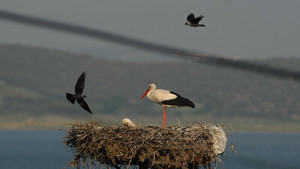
[[150, 88]]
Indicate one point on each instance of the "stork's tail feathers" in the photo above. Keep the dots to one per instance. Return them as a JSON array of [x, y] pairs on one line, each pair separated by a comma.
[[70, 97], [189, 103]]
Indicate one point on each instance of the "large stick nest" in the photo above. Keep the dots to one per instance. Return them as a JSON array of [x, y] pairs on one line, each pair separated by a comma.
[[145, 146]]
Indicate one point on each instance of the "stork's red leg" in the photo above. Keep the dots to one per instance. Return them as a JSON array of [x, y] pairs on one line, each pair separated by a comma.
[[164, 122]]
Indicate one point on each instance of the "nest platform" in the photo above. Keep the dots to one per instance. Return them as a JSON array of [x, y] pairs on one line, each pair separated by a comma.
[[190, 146]]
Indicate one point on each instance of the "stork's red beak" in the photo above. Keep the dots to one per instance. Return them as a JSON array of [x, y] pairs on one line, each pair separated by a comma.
[[144, 94]]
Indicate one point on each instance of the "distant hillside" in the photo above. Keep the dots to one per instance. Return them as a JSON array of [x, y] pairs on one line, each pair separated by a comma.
[[42, 76]]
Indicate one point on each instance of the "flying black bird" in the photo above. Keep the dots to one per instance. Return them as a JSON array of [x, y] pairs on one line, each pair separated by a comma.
[[78, 93], [193, 22]]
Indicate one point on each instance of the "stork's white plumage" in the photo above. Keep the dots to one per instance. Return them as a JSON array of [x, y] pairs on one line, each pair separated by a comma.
[[166, 98]]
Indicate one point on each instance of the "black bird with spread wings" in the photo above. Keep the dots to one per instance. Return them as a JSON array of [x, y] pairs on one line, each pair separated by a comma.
[[193, 22], [78, 93]]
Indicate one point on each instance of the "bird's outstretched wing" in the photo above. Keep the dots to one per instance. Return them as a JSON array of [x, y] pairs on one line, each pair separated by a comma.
[[84, 105], [198, 19], [190, 17], [70, 97], [80, 83]]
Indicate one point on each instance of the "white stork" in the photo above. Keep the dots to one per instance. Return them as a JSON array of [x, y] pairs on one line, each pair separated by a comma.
[[166, 99]]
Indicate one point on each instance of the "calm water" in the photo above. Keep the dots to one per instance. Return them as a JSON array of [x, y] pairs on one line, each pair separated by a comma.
[[43, 149]]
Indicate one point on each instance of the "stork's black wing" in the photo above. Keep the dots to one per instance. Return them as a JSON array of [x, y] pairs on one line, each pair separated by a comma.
[[179, 101], [198, 19], [191, 17], [80, 83], [84, 105]]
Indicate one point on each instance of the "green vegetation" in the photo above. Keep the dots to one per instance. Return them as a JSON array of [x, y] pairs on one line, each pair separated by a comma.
[[34, 81], [16, 92]]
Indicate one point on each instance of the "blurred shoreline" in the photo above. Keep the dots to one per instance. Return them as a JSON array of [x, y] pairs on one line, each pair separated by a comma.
[[8, 122]]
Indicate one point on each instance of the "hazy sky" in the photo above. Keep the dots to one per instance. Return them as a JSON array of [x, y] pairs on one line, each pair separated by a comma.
[[234, 28]]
